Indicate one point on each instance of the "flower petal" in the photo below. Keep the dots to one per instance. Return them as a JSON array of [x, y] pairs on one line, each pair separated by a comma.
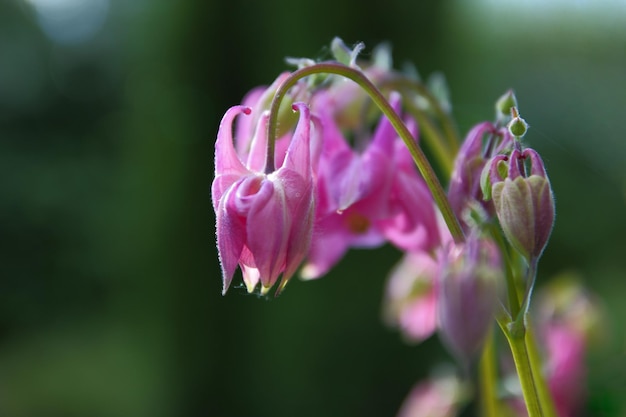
[[267, 231], [226, 159], [230, 231]]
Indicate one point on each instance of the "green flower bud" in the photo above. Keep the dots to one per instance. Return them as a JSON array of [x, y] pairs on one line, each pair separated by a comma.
[[518, 126], [505, 103]]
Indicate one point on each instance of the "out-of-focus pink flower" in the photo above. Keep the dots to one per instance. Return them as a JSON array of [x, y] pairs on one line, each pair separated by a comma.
[[467, 294], [565, 367], [264, 220], [569, 319], [437, 397], [411, 224], [410, 300], [367, 198]]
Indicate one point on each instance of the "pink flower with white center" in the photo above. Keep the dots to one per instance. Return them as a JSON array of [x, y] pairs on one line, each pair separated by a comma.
[[264, 220]]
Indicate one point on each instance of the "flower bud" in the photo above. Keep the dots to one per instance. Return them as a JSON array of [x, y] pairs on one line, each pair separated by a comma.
[[518, 126], [505, 103], [524, 203], [467, 295]]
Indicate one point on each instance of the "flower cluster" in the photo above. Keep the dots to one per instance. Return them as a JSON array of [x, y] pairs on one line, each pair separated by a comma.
[[327, 194], [295, 191]]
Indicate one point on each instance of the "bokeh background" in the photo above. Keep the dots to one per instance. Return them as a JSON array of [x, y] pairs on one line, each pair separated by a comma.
[[110, 301]]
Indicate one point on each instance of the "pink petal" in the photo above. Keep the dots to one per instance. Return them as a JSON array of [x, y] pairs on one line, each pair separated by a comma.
[[230, 238], [258, 147], [267, 231], [298, 155], [226, 158]]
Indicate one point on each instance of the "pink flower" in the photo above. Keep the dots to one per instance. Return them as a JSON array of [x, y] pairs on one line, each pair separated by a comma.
[[467, 294], [367, 198], [410, 298], [264, 220], [565, 367], [437, 397]]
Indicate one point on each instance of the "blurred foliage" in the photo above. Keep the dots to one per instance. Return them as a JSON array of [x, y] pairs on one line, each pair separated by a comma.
[[110, 298]]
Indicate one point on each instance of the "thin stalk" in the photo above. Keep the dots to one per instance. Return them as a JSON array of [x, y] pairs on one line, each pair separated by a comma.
[[527, 378], [357, 76], [488, 377], [511, 285], [545, 397], [520, 321]]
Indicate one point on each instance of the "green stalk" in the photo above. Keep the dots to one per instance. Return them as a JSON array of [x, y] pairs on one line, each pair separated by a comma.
[[357, 76], [545, 397], [434, 138], [527, 378], [487, 378]]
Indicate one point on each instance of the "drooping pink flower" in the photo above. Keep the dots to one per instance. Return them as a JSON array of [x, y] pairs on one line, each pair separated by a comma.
[[264, 220], [467, 294]]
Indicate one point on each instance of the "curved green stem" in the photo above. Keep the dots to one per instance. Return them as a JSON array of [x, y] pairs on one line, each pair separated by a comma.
[[357, 76]]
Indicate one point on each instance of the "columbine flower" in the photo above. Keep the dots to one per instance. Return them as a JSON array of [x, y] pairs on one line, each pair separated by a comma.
[[264, 220], [467, 294], [410, 300], [523, 200]]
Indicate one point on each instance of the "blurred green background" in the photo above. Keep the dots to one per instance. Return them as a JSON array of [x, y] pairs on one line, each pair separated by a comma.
[[110, 301]]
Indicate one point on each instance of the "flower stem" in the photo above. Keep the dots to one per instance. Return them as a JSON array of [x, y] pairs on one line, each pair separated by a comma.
[[535, 362], [487, 378], [357, 76], [527, 378]]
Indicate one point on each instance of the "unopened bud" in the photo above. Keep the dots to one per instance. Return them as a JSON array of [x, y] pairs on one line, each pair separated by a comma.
[[517, 125], [524, 203], [467, 295], [505, 103]]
